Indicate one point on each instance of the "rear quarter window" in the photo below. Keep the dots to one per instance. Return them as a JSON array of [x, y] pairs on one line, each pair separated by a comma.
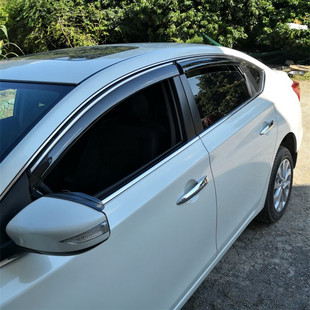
[[255, 76]]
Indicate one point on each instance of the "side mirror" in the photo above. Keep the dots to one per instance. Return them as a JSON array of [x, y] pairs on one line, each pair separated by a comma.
[[60, 224]]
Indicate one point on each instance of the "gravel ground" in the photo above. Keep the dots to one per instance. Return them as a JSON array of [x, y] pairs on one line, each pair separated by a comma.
[[268, 267]]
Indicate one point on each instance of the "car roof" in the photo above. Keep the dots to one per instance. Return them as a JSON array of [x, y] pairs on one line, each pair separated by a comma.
[[74, 65]]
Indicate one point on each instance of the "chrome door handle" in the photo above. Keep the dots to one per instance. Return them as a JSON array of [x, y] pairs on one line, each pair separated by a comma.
[[194, 191], [267, 128]]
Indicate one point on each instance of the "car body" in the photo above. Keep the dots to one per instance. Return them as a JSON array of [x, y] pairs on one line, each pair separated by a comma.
[[133, 168]]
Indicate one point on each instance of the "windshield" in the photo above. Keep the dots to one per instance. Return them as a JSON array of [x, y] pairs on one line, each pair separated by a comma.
[[22, 105]]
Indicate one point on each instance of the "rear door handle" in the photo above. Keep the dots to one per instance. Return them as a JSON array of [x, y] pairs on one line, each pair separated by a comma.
[[267, 128], [194, 191]]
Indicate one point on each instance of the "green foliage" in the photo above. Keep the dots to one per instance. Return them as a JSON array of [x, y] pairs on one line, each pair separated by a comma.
[[47, 24], [3, 13], [39, 25], [142, 21], [267, 28], [6, 47]]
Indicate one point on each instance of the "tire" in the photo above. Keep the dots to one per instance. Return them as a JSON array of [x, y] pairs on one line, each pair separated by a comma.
[[279, 189]]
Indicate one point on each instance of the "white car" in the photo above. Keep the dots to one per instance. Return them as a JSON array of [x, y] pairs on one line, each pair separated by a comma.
[[127, 171]]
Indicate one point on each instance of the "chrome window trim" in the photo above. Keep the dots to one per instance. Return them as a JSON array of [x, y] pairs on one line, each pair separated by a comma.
[[82, 113], [227, 116], [207, 130], [10, 260], [217, 60], [122, 79], [81, 110], [149, 171], [231, 60], [128, 185], [133, 74]]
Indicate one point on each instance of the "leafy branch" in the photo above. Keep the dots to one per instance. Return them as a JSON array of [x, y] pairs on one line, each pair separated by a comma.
[[5, 45]]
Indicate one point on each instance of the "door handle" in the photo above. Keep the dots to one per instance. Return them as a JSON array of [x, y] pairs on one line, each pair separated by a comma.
[[267, 128], [194, 191]]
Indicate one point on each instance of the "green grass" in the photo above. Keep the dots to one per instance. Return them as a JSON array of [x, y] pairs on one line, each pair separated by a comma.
[[298, 77]]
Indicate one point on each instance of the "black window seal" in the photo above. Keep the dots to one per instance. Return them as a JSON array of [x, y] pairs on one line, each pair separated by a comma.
[[192, 105], [188, 122]]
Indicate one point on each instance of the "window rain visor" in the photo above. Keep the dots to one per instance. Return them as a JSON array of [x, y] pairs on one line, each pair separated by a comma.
[[22, 105]]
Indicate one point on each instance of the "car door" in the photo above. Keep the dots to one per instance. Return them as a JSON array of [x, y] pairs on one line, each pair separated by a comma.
[[138, 153], [238, 128]]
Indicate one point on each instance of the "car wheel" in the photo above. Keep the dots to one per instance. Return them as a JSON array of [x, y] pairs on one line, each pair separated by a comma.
[[280, 186]]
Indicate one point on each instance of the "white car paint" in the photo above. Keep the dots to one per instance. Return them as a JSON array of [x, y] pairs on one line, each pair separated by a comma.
[[241, 161], [134, 253], [286, 103], [181, 243], [51, 123]]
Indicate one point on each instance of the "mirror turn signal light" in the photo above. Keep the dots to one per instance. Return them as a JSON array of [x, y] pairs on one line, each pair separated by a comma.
[[97, 231]]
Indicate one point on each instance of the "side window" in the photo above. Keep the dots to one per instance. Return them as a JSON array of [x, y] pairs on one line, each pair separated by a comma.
[[125, 141], [255, 76], [217, 90]]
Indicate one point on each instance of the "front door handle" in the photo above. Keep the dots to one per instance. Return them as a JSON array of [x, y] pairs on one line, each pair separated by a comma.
[[194, 191], [267, 128]]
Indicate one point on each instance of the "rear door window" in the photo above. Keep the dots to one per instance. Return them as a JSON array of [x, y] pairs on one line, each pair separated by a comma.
[[218, 90], [255, 76]]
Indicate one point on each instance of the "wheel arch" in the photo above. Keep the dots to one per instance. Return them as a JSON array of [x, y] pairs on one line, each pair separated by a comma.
[[289, 141]]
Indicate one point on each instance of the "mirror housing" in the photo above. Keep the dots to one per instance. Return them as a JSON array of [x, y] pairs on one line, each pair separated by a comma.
[[60, 224]]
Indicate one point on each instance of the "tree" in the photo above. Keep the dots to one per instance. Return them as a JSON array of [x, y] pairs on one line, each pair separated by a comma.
[[39, 25]]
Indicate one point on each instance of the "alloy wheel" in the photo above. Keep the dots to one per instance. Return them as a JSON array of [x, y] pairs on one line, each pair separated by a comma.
[[282, 186]]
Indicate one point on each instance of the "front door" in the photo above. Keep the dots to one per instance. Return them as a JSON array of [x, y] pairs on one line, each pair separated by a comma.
[[139, 160]]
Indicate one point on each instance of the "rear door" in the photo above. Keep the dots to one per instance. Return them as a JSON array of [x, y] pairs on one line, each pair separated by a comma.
[[238, 128], [138, 153]]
